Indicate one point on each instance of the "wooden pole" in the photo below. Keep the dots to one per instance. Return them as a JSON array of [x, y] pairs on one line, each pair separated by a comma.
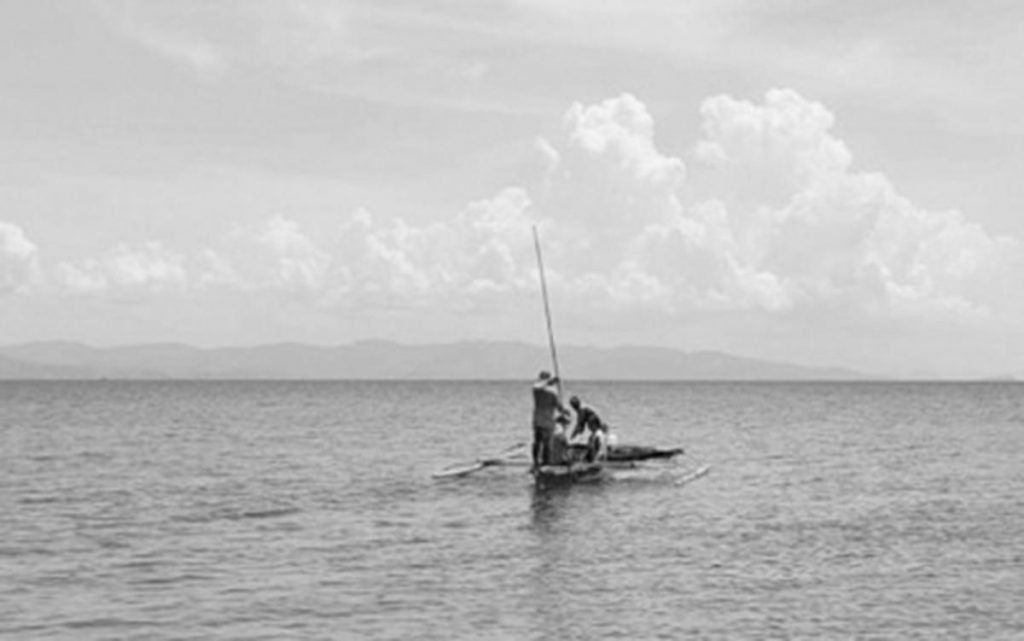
[[547, 310]]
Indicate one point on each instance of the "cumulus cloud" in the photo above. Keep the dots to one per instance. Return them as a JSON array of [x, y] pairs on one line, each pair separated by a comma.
[[790, 225], [832, 235], [480, 252], [298, 263], [277, 254], [929, 262], [621, 132], [607, 174], [784, 223], [126, 269], [18, 262], [782, 144]]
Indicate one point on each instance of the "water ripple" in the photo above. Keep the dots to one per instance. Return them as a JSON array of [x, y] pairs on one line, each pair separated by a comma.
[[306, 510]]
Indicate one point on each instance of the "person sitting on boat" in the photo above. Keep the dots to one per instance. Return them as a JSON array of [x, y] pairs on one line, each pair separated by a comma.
[[588, 420], [548, 411]]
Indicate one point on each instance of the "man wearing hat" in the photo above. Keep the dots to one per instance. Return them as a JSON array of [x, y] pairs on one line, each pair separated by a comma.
[[548, 411]]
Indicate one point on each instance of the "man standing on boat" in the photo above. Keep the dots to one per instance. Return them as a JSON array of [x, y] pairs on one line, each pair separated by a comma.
[[548, 412]]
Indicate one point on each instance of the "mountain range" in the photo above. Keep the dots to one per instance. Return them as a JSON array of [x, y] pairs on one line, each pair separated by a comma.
[[384, 360]]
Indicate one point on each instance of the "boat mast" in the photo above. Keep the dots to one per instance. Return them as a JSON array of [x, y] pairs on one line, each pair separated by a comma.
[[547, 309]]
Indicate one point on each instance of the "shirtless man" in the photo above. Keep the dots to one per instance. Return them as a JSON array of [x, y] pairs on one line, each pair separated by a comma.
[[587, 420], [548, 411]]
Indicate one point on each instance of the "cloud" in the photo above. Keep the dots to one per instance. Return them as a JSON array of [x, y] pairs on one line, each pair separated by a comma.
[[394, 53], [274, 255], [214, 39], [789, 225], [481, 250], [169, 34], [132, 270], [607, 180], [768, 214], [772, 150], [298, 262], [940, 262], [202, 57], [479, 254], [620, 131], [274, 35], [437, 53], [18, 260], [833, 236]]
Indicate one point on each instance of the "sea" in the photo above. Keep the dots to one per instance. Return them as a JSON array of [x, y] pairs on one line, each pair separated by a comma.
[[309, 510]]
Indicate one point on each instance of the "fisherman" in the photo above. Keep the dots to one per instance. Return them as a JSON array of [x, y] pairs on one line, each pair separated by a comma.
[[588, 420], [548, 416]]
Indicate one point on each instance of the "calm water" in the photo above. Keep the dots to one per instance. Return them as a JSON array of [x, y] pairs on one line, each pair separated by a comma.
[[307, 511]]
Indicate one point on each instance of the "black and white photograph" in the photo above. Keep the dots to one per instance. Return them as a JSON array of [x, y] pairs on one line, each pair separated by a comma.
[[511, 320]]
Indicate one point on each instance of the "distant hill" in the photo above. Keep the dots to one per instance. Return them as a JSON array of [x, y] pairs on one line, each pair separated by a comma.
[[11, 368], [390, 361]]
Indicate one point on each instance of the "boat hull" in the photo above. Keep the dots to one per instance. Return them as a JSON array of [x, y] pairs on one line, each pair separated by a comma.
[[568, 474]]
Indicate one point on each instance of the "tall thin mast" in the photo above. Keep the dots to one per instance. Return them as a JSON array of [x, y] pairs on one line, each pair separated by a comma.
[[547, 309]]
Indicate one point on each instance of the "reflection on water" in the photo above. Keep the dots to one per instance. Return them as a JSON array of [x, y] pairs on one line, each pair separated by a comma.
[[548, 504]]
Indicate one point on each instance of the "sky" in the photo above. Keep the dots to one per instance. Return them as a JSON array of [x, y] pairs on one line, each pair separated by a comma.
[[822, 183]]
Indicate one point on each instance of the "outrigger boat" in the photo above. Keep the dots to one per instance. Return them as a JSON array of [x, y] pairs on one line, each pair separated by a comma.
[[623, 457], [619, 457], [578, 470]]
